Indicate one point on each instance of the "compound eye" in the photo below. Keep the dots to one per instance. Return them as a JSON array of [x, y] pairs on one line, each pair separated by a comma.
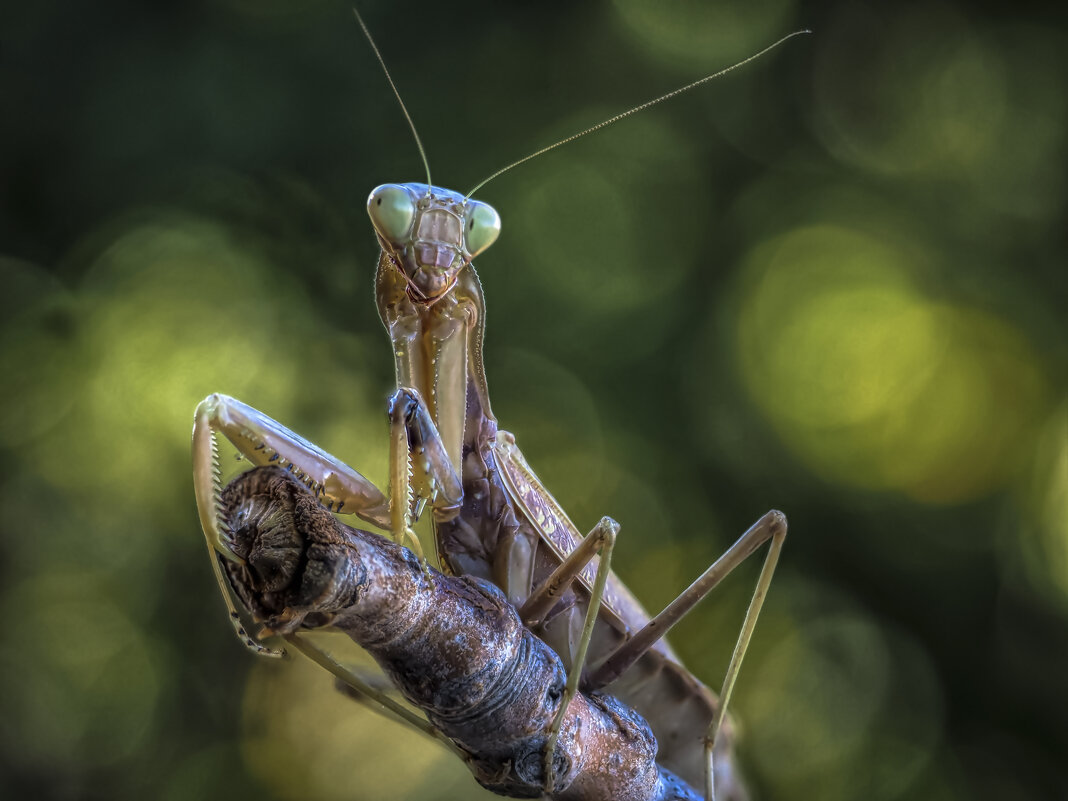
[[482, 224], [392, 210]]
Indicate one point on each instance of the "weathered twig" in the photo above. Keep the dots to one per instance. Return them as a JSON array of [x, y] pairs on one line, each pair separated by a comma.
[[454, 646]]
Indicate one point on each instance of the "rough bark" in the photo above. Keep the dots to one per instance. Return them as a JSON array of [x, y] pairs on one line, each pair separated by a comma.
[[454, 647]]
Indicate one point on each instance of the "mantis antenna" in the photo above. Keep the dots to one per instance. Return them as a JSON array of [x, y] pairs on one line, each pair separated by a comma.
[[404, 108], [635, 110]]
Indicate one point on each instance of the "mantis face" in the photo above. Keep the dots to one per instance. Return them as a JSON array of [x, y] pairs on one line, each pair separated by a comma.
[[431, 234]]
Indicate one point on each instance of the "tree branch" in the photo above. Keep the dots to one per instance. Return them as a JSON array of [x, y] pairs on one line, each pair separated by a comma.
[[454, 647]]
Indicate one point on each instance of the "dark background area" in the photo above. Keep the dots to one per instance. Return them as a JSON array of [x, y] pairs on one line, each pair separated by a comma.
[[831, 282]]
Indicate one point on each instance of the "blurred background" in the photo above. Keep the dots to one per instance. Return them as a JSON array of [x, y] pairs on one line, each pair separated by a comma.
[[832, 282]]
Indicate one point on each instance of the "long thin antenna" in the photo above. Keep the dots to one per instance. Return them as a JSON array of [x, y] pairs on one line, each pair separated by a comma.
[[404, 108], [635, 110]]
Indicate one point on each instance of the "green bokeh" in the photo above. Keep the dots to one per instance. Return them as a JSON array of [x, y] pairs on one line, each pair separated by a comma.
[[832, 282]]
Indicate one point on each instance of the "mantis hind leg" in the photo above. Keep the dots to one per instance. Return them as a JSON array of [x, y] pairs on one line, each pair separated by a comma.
[[771, 527], [740, 647]]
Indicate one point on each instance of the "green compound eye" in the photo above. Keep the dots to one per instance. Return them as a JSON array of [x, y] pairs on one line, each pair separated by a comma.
[[392, 210], [482, 224]]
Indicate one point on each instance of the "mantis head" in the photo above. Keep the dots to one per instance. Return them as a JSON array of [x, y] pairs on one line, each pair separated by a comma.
[[431, 234]]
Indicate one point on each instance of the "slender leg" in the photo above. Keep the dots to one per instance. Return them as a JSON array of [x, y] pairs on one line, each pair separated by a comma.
[[751, 614], [379, 700], [602, 540], [771, 526], [545, 596]]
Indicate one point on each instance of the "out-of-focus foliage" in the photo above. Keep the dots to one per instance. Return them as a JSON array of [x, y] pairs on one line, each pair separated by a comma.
[[832, 282]]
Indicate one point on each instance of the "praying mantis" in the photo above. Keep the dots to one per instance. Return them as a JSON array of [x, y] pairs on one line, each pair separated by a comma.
[[492, 517]]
